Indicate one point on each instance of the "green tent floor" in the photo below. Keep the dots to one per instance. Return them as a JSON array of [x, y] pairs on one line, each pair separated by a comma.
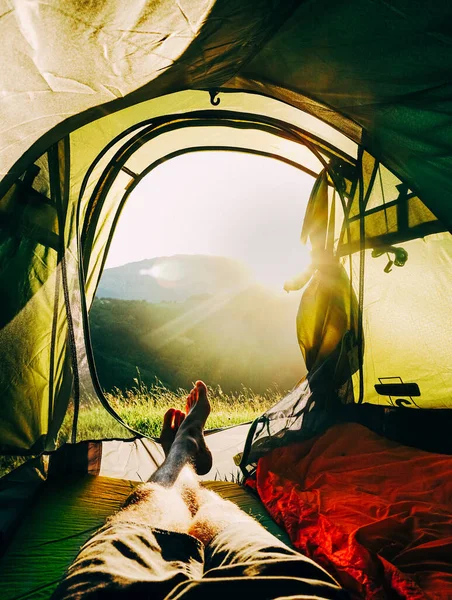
[[65, 513]]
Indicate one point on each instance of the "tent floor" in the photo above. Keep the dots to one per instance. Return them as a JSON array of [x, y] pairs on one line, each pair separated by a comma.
[[65, 513]]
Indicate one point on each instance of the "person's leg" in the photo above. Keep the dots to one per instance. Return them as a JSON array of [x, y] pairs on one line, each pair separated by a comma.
[[214, 515], [189, 446], [146, 542], [232, 538], [242, 558], [169, 499], [131, 556]]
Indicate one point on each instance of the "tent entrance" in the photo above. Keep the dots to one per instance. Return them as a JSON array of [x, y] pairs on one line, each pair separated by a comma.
[[129, 162]]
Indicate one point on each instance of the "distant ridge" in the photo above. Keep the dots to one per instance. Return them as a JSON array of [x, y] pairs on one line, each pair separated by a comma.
[[174, 278], [203, 317]]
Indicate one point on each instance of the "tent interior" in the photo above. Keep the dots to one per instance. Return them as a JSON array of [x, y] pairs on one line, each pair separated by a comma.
[[340, 92]]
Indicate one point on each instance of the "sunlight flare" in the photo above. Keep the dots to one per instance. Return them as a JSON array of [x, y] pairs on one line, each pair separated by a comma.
[[176, 328]]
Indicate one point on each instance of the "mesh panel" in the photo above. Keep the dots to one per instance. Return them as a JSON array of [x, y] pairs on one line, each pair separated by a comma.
[[308, 410], [94, 422]]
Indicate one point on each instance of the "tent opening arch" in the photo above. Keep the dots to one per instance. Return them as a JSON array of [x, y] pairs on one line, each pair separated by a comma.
[[120, 177]]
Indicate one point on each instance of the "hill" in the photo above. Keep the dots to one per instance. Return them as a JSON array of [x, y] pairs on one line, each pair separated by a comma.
[[174, 278], [185, 317]]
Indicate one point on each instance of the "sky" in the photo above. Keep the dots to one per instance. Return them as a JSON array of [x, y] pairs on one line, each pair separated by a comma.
[[220, 203]]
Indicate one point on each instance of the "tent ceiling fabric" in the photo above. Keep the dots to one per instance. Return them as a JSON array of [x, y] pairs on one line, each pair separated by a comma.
[[65, 56], [384, 65], [387, 66]]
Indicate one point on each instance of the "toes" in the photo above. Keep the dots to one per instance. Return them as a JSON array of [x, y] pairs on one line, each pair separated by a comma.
[[168, 418], [179, 416], [201, 389], [190, 402], [172, 420]]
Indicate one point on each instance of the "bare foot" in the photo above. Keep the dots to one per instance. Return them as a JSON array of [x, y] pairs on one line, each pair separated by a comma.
[[171, 422], [191, 430]]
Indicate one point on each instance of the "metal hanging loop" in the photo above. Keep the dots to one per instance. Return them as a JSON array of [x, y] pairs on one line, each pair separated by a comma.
[[214, 101]]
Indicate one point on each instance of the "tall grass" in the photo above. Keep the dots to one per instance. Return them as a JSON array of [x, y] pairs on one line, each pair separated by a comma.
[[142, 407]]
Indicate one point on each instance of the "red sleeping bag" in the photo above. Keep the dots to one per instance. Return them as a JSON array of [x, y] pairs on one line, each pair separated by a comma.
[[375, 514]]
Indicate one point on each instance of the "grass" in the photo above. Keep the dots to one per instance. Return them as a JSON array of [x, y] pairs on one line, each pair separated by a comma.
[[9, 463], [142, 407]]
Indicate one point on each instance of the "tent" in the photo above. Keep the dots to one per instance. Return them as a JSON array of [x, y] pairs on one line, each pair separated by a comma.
[[96, 95]]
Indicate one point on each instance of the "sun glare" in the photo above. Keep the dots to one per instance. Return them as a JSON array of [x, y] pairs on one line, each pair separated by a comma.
[[246, 207], [169, 272]]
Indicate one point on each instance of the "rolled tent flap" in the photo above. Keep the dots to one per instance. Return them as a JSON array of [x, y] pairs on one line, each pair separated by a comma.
[[328, 311], [315, 222]]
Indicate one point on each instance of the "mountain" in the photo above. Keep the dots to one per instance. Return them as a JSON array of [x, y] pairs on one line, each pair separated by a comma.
[[213, 323], [174, 278]]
